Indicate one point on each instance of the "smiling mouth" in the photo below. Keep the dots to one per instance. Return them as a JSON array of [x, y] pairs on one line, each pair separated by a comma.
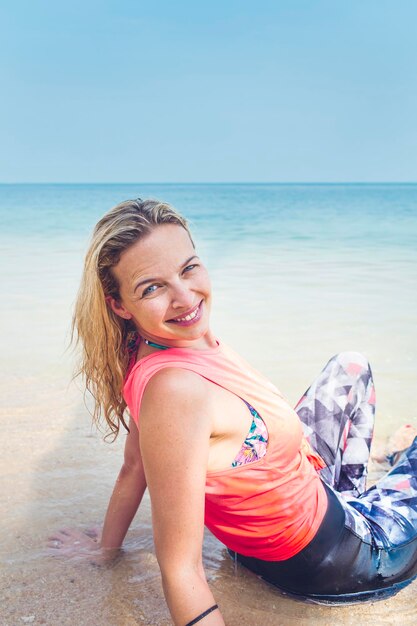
[[190, 317]]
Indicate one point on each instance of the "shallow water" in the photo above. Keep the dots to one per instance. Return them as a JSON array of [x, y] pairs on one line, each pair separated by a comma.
[[60, 474], [299, 274]]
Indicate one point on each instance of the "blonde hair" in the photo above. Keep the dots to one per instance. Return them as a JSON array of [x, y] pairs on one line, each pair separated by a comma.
[[103, 335]]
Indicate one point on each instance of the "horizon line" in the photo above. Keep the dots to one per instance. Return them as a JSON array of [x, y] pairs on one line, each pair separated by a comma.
[[231, 182]]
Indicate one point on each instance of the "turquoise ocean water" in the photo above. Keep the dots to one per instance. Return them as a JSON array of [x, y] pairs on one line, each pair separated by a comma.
[[299, 272]]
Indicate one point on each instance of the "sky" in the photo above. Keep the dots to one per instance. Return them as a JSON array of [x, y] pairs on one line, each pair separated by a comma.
[[219, 91]]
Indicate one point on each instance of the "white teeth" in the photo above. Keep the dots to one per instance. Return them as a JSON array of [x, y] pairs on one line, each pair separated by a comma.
[[187, 318]]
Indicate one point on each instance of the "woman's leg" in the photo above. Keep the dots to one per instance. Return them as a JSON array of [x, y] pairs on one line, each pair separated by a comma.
[[337, 413], [390, 505]]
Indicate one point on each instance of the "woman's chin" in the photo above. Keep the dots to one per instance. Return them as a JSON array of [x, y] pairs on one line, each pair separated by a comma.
[[190, 336]]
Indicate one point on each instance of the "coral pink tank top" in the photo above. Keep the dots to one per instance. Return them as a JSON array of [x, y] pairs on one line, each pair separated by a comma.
[[271, 508]]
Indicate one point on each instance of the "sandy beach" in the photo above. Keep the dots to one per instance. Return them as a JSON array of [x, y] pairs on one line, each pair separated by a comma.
[[60, 474]]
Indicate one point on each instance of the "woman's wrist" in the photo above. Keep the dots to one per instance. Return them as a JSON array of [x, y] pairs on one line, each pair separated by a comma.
[[105, 556], [202, 615]]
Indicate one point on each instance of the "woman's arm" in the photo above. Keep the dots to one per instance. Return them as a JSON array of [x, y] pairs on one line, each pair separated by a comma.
[[127, 494], [175, 433], [124, 502]]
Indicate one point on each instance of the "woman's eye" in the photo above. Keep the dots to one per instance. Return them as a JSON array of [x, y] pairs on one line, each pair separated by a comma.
[[149, 290], [190, 267]]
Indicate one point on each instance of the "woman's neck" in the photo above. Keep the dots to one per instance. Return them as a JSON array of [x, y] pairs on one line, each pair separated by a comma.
[[206, 342]]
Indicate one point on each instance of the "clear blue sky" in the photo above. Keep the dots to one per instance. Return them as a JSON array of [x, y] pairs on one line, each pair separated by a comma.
[[226, 90]]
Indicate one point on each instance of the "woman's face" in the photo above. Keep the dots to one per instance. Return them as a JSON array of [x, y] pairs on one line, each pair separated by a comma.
[[164, 288]]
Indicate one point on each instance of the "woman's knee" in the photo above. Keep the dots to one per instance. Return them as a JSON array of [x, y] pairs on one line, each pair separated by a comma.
[[351, 361]]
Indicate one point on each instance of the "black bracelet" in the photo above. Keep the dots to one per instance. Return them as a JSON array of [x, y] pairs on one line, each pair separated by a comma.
[[199, 617]]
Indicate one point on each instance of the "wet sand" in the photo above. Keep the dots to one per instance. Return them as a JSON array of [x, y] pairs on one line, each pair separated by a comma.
[[56, 472]]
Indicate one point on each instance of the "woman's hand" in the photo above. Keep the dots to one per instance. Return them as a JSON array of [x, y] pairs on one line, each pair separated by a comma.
[[71, 542], [102, 546]]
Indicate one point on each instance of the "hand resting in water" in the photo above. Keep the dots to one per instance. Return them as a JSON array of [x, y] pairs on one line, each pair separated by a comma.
[[72, 542], [102, 547]]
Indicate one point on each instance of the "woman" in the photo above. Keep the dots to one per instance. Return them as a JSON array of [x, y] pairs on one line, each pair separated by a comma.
[[217, 444]]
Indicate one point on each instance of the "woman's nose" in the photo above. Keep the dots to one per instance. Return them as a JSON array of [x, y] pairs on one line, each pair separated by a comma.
[[182, 296]]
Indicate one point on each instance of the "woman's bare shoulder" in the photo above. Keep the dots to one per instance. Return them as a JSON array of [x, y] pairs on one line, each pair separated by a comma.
[[176, 401], [174, 377], [176, 384]]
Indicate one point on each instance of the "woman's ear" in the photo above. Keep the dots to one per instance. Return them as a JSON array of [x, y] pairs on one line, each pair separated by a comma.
[[118, 308]]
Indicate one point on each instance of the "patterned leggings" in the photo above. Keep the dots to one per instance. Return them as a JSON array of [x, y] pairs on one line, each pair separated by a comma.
[[337, 413]]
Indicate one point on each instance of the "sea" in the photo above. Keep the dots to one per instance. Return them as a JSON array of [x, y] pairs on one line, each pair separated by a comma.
[[299, 273]]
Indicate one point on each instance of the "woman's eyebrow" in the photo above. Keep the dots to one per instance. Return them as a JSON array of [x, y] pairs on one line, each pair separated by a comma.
[[145, 281], [190, 259]]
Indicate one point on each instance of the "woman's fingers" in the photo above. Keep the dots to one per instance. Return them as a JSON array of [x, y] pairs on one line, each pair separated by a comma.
[[94, 532], [72, 540], [59, 537]]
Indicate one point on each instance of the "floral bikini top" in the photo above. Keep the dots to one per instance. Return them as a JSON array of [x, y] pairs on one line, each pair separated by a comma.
[[255, 444]]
